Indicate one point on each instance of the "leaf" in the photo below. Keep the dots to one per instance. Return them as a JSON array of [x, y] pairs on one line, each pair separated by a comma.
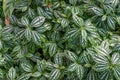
[[80, 72], [72, 67], [64, 22], [115, 3], [28, 34], [73, 2], [12, 73], [116, 73], [102, 51], [100, 59], [25, 21], [91, 75], [115, 58], [16, 48], [105, 75], [26, 66], [1, 73], [24, 76], [36, 74], [1, 45], [98, 11], [40, 65], [111, 22], [84, 34], [101, 67], [36, 37], [38, 21], [72, 33], [58, 59], [52, 49], [78, 20], [72, 56], [55, 74]]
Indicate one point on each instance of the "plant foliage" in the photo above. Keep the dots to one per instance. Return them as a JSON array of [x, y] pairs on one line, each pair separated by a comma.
[[59, 39]]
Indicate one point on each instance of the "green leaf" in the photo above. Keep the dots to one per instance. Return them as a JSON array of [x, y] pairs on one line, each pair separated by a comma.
[[115, 3], [55, 74], [36, 74], [105, 75], [72, 33], [100, 59], [115, 58], [36, 37], [28, 34], [79, 72], [16, 48], [1, 73], [97, 11], [102, 51], [25, 21], [26, 66], [116, 73], [40, 65], [73, 2], [58, 59], [24, 76], [84, 34], [91, 75], [12, 73], [78, 20], [72, 56], [52, 49], [72, 67], [1, 45], [111, 22], [64, 22], [38, 21], [101, 67]]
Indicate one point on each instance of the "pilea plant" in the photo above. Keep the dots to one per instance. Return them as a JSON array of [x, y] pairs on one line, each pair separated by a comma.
[[59, 39]]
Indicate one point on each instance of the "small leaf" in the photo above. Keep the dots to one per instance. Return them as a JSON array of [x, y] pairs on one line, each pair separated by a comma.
[[26, 66], [79, 72], [55, 74], [24, 21], [115, 3], [64, 23], [28, 34], [12, 73], [111, 22], [84, 34], [38, 21], [97, 11], [16, 48], [24, 76], [78, 20], [52, 49], [116, 73], [36, 74], [1, 73], [72, 56], [72, 33], [72, 67]]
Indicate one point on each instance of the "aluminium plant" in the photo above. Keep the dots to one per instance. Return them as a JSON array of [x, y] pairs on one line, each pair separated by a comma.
[[59, 39]]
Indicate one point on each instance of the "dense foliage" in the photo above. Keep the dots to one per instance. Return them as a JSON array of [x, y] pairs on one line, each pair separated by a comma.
[[59, 39]]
